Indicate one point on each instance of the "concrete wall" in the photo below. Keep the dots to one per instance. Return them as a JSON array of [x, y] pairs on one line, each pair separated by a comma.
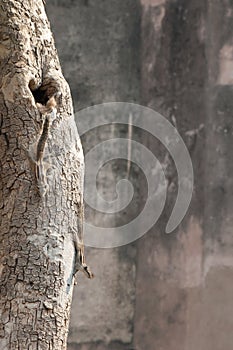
[[98, 44], [167, 292], [187, 74]]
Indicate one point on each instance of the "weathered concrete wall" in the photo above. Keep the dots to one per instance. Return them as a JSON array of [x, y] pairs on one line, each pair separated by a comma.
[[187, 73], [216, 304], [183, 51], [98, 44], [173, 52]]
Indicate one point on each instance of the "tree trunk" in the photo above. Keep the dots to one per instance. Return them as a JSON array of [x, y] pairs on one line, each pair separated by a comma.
[[40, 205]]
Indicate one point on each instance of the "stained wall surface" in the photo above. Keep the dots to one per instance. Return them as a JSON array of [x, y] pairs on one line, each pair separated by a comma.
[[167, 292]]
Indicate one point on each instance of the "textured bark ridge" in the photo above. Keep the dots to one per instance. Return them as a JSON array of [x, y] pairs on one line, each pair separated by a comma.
[[37, 219]]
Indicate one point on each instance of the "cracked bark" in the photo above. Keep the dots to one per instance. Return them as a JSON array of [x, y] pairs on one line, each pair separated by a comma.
[[36, 247]]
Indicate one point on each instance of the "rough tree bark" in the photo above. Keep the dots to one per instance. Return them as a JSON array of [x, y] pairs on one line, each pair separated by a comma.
[[39, 214]]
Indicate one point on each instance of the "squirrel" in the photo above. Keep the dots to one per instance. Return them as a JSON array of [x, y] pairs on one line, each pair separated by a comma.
[[48, 112]]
